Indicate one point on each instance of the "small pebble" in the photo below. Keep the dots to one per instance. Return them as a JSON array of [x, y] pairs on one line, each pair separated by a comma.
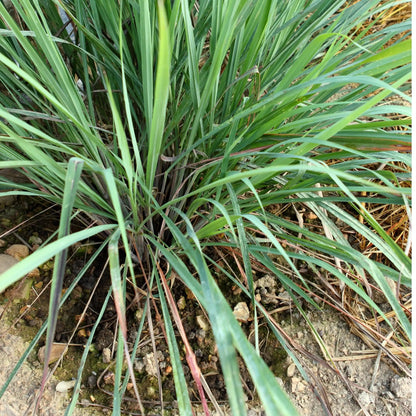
[[35, 273], [18, 251], [106, 355], [201, 337], [182, 303], [109, 378], [241, 312], [64, 386], [92, 381], [202, 322], [291, 370], [301, 386], [56, 352], [150, 364], [295, 384]]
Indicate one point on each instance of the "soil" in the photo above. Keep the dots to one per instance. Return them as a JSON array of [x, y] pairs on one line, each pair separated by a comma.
[[354, 383]]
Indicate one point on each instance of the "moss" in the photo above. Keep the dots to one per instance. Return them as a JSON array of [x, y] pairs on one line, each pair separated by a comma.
[[278, 361]]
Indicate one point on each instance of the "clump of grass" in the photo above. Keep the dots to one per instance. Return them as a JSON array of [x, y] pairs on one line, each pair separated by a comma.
[[175, 126]]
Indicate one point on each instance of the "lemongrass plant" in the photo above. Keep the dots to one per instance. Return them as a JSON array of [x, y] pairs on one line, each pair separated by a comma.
[[175, 126]]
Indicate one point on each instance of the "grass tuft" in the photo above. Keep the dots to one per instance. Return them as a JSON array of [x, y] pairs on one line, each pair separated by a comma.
[[263, 133]]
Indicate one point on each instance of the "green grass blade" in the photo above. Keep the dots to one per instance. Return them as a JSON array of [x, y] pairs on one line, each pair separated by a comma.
[[71, 185], [160, 97], [119, 291]]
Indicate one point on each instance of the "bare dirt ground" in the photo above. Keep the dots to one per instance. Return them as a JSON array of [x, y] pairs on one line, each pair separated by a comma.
[[362, 385], [19, 398], [367, 388]]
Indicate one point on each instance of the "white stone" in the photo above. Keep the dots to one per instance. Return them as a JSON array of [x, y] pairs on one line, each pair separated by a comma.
[[64, 386], [291, 370]]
